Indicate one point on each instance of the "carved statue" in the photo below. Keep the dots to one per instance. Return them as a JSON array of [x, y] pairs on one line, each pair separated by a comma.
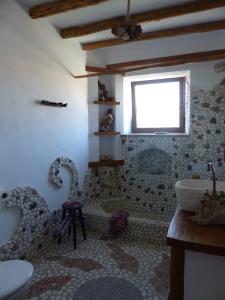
[[107, 121], [103, 93]]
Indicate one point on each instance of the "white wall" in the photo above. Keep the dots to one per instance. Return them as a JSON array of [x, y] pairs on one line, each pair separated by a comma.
[[167, 46], [204, 276], [35, 63], [93, 111], [203, 74], [102, 145]]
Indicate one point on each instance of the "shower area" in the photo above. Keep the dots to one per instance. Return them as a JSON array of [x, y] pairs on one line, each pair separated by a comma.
[[143, 186]]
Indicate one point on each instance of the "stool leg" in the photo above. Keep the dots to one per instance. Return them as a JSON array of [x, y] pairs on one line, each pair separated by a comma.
[[81, 219], [70, 227], [63, 214], [74, 230], [63, 217]]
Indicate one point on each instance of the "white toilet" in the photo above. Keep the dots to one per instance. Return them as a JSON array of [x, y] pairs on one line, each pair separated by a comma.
[[15, 278]]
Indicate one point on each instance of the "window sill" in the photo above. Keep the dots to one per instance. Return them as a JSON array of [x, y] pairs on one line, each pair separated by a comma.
[[155, 134]]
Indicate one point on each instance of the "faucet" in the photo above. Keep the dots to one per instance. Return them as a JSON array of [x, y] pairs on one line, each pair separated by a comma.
[[210, 167]]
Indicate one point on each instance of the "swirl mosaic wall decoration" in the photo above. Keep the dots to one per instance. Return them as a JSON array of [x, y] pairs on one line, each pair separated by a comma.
[[55, 178], [34, 218]]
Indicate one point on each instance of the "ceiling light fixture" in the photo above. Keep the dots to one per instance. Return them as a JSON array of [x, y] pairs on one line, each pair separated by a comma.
[[128, 29]]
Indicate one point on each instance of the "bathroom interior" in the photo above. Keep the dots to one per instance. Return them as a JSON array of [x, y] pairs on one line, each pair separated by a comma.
[[145, 208]]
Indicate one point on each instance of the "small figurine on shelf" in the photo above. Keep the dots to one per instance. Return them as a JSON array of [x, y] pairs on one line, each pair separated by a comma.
[[106, 124], [103, 93], [105, 157]]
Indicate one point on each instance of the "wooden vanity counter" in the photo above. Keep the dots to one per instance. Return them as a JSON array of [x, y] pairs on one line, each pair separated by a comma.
[[183, 235]]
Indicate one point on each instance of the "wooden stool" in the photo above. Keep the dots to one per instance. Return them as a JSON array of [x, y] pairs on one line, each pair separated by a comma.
[[71, 208]]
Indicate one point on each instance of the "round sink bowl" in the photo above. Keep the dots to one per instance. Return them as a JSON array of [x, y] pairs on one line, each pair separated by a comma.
[[189, 192]]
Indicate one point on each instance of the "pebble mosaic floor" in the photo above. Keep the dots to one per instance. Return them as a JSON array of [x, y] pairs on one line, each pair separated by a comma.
[[60, 270]]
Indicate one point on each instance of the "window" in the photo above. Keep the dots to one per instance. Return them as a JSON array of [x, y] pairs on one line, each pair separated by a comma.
[[158, 105]]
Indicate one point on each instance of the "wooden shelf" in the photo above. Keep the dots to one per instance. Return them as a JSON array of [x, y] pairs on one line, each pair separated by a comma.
[[106, 102], [105, 163], [105, 133]]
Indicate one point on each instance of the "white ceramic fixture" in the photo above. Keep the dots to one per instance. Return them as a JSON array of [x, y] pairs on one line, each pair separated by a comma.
[[9, 221], [15, 278], [189, 192]]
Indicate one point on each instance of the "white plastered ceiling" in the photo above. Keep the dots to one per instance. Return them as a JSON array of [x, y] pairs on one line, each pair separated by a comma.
[[115, 8]]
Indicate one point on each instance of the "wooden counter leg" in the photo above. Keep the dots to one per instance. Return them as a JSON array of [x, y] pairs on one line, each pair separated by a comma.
[[177, 274]]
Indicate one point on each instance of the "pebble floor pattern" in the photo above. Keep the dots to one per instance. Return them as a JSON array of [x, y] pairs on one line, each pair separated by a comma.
[[60, 270]]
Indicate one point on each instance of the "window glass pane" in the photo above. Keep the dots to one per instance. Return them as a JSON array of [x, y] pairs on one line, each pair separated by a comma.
[[158, 105]]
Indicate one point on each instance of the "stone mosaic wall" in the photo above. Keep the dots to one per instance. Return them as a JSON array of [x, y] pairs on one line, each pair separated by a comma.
[[33, 224], [152, 161], [142, 225], [36, 224], [104, 182], [144, 182]]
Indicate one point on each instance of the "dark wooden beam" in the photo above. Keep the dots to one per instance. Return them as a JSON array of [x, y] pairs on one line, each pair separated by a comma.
[[101, 70], [189, 29], [105, 163], [177, 261], [86, 75], [56, 7], [166, 61], [146, 16], [98, 71], [106, 133], [169, 60]]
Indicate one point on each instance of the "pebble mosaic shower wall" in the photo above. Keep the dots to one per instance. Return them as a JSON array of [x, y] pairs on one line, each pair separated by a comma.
[[154, 163]]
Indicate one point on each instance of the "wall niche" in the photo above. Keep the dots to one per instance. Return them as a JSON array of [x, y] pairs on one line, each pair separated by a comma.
[[154, 161]]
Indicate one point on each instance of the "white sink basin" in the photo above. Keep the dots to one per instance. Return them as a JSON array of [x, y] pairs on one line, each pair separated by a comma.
[[189, 192]]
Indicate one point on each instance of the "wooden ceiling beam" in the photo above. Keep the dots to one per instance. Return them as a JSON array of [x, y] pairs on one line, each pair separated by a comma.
[[147, 16], [166, 61], [56, 7], [169, 60], [95, 69], [97, 74], [98, 71], [194, 28], [87, 75], [101, 70]]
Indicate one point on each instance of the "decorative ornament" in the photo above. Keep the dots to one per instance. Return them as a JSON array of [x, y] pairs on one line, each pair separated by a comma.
[[51, 103], [107, 121], [103, 93], [54, 176], [212, 206], [105, 157], [128, 29], [211, 210], [35, 219], [219, 67]]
